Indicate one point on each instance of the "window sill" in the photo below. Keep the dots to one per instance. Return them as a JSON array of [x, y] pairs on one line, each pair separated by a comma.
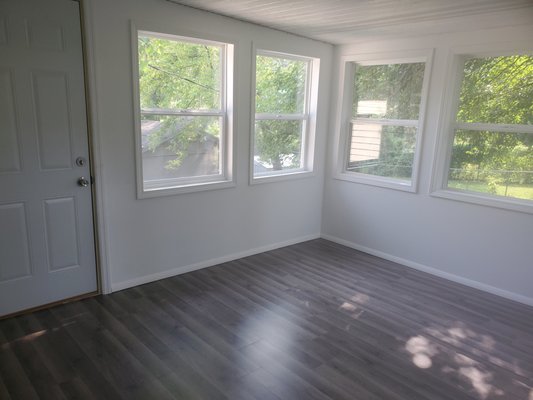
[[282, 176], [185, 188], [525, 206], [389, 183]]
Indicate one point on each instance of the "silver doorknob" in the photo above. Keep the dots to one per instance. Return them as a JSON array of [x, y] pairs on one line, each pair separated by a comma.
[[83, 182]]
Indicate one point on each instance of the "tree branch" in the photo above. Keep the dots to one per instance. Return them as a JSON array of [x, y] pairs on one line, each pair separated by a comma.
[[182, 78]]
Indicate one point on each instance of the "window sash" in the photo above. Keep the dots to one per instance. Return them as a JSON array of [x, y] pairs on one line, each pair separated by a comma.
[[346, 118], [191, 113], [441, 177], [175, 185], [494, 128], [386, 122], [281, 117], [223, 58], [307, 83], [303, 146], [402, 123], [172, 183], [382, 122], [304, 117]]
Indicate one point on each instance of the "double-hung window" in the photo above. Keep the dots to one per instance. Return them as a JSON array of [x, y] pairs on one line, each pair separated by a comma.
[[487, 154], [183, 124], [381, 121], [285, 108]]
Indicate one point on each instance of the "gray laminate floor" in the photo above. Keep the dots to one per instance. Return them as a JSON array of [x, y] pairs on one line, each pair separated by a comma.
[[311, 321]]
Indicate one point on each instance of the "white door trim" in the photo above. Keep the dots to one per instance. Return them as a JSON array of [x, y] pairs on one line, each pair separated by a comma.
[[100, 220]]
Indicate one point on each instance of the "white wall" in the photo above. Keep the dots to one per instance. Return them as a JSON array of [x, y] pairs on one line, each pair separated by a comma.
[[142, 240], [485, 247]]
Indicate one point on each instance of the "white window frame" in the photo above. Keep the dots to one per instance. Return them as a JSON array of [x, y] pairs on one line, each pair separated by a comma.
[[225, 178], [345, 120], [448, 124], [308, 119]]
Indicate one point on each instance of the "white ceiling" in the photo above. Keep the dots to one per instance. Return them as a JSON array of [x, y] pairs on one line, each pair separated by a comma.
[[343, 21]]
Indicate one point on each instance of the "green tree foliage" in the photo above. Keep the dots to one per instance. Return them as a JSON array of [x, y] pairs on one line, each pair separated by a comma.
[[280, 89], [399, 85], [177, 75], [496, 90]]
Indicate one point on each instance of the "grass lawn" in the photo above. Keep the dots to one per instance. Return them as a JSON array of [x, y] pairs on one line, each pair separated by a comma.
[[512, 190]]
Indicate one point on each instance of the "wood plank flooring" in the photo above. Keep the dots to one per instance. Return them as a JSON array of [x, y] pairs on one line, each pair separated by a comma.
[[311, 321]]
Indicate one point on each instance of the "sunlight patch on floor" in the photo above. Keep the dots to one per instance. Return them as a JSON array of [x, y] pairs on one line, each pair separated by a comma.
[[32, 336], [463, 337], [360, 298], [26, 338], [355, 311], [422, 351], [443, 347], [479, 379], [348, 306]]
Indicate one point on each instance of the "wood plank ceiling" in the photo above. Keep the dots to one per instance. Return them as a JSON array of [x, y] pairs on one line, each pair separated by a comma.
[[343, 21]]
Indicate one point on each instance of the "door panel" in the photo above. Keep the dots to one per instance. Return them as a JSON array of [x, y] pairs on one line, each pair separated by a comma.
[[61, 233], [44, 35], [9, 147], [50, 94], [46, 228], [3, 32], [14, 245]]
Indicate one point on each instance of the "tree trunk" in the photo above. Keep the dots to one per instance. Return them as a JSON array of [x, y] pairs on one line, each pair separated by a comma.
[[276, 164]]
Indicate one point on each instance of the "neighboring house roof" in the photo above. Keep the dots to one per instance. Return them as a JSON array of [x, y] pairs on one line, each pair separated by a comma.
[[149, 128], [259, 167]]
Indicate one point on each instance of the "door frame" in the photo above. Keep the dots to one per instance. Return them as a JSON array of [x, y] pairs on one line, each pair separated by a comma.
[[100, 228]]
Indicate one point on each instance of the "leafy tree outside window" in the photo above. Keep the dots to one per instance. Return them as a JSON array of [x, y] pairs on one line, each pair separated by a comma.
[[282, 92], [492, 149], [182, 110]]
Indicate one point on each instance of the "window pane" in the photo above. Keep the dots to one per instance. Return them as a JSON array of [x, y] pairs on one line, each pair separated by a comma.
[[179, 147], [381, 150], [390, 91], [497, 90], [493, 162], [278, 145], [280, 85], [175, 74]]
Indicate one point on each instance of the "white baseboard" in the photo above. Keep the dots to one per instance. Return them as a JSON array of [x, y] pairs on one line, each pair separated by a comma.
[[433, 271], [115, 287]]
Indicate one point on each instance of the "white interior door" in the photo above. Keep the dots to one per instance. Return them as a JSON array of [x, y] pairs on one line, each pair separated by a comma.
[[46, 228]]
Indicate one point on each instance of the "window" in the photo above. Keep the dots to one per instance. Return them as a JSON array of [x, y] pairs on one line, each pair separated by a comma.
[[184, 135], [381, 122], [285, 105], [490, 133]]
